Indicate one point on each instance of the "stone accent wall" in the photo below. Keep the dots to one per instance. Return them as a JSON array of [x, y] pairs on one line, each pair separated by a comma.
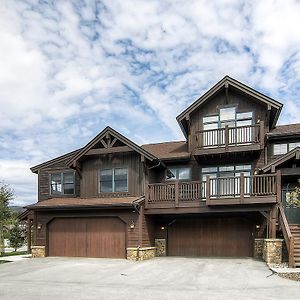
[[138, 254], [272, 251], [38, 251], [160, 245], [258, 248]]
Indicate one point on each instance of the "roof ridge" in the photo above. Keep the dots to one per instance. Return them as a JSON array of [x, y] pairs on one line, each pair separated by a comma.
[[168, 142]]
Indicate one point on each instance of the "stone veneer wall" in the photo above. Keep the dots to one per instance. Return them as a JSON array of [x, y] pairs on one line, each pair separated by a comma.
[[140, 253], [258, 248], [38, 251], [272, 251], [160, 245]]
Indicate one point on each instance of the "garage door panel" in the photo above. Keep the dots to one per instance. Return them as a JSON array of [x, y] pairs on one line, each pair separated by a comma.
[[210, 237], [87, 237]]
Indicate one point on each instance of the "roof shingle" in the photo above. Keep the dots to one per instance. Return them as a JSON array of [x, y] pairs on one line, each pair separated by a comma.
[[289, 129]]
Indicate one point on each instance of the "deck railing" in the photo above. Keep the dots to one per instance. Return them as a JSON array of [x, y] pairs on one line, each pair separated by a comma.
[[288, 237], [231, 136], [215, 191]]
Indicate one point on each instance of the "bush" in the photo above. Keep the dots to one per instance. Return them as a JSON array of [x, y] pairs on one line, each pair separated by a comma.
[[16, 236]]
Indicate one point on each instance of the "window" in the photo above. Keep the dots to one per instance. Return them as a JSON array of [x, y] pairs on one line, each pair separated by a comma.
[[179, 173], [228, 186], [227, 117], [283, 148], [113, 180], [62, 183]]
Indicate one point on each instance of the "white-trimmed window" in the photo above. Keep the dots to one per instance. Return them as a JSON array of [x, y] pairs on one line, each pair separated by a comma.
[[283, 148], [113, 180], [62, 183]]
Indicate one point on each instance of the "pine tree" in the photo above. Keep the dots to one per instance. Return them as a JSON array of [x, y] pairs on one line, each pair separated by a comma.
[[16, 236]]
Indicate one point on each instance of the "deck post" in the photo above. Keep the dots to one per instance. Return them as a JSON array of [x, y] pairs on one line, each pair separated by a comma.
[[272, 220], [278, 186], [262, 134], [176, 193], [226, 137], [242, 187], [207, 190]]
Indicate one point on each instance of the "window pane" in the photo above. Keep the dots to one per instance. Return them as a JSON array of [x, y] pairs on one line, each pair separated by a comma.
[[56, 186], [68, 177], [293, 145], [227, 113], [120, 178], [210, 126], [106, 186], [279, 149], [210, 170], [184, 173], [244, 115], [171, 174], [69, 188], [106, 177], [243, 167], [226, 168], [244, 123], [210, 119]]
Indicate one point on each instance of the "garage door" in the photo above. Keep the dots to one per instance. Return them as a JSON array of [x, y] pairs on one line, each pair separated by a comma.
[[210, 237], [87, 237]]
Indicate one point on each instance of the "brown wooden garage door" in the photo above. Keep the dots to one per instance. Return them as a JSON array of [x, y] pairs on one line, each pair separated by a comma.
[[210, 237], [88, 237]]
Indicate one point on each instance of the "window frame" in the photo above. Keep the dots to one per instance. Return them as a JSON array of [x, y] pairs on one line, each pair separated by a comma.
[[61, 173], [113, 179], [288, 147]]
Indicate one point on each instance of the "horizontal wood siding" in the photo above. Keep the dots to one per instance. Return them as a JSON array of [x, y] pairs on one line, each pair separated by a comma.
[[91, 168]]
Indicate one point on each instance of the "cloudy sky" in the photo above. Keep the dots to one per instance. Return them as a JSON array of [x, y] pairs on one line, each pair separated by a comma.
[[70, 68]]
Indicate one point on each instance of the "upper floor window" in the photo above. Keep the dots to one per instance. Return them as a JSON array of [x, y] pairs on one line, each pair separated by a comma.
[[62, 183], [113, 180], [227, 116], [283, 148], [179, 173]]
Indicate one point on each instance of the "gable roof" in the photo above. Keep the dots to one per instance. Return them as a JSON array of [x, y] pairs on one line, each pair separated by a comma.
[[283, 130], [295, 153], [54, 160], [227, 80], [168, 150], [117, 135]]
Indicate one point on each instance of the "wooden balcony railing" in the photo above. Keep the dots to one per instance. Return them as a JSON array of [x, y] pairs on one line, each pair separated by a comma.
[[231, 136], [215, 191]]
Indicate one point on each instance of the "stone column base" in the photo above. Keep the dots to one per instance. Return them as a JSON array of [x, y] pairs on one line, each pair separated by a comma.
[[258, 248], [272, 251], [160, 245], [38, 251], [138, 254]]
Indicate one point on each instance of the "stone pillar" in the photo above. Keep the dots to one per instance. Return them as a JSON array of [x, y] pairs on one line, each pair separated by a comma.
[[38, 251], [160, 245], [258, 248], [272, 251], [138, 254]]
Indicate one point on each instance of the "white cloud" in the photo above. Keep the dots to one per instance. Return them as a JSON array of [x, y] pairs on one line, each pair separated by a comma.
[[68, 69]]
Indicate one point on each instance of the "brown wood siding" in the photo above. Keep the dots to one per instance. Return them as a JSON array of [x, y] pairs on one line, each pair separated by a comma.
[[210, 237], [242, 102], [91, 167], [148, 231], [128, 216], [87, 237]]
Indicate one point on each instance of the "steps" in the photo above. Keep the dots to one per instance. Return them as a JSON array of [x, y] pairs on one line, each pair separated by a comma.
[[295, 230]]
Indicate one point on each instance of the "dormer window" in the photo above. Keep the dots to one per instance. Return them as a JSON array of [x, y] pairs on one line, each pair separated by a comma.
[[62, 183]]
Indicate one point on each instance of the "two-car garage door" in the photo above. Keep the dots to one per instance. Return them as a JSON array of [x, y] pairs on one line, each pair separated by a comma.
[[87, 237], [211, 237]]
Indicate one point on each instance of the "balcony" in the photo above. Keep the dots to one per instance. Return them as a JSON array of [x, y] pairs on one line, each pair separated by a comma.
[[230, 139], [243, 190]]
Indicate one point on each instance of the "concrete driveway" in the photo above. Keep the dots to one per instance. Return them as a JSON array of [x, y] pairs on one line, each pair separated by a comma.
[[160, 278]]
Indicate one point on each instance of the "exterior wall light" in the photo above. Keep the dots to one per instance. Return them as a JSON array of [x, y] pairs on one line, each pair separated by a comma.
[[131, 225], [39, 226], [162, 227], [257, 226]]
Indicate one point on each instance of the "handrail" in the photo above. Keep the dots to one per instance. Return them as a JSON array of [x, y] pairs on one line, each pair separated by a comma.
[[234, 127], [288, 237]]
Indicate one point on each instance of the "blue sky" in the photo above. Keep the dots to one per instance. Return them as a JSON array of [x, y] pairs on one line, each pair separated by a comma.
[[70, 68]]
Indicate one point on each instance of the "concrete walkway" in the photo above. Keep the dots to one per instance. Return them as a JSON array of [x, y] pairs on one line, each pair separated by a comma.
[[14, 258], [160, 278]]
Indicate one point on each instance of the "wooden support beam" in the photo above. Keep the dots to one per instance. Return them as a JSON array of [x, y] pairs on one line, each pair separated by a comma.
[[226, 93], [104, 143], [207, 190], [176, 193], [262, 134], [242, 188], [272, 222], [278, 186], [140, 224], [109, 150], [226, 137], [113, 142]]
